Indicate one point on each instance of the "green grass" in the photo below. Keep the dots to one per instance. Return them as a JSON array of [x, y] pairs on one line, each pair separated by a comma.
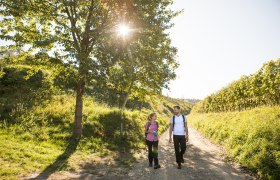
[[39, 139], [18, 156], [251, 137]]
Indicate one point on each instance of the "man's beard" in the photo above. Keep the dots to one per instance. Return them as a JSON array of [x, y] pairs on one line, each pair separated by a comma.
[[176, 113]]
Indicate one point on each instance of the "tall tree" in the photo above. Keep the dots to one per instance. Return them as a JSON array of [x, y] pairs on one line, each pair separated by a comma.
[[74, 31], [146, 68], [146, 59], [71, 28]]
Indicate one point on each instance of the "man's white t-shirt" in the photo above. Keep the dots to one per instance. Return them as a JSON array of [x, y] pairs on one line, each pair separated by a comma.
[[179, 128]]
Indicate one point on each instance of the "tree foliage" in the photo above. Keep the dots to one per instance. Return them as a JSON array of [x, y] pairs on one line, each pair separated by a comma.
[[81, 35], [258, 89]]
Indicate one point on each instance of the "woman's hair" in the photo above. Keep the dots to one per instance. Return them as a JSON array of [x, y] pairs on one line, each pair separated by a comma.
[[151, 115]]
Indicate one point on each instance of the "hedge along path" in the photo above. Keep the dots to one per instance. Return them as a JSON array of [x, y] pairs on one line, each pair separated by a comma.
[[203, 160]]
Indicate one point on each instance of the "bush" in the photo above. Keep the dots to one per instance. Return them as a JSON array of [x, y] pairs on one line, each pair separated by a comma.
[[251, 137]]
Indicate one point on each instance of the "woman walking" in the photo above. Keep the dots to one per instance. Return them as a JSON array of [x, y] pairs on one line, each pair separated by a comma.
[[151, 131]]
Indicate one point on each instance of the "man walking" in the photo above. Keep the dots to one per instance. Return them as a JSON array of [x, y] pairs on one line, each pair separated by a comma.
[[179, 127]]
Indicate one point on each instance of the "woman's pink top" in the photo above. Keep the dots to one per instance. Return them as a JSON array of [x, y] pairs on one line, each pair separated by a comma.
[[153, 126]]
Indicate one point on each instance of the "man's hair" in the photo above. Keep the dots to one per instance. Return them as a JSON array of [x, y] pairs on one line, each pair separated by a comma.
[[177, 107]]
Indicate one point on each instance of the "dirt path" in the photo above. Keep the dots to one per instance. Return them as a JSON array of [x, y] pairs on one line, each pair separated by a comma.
[[203, 160]]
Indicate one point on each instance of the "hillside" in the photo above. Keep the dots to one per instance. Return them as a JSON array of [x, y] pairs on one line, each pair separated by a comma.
[[251, 137], [244, 117], [37, 108], [258, 89], [41, 135]]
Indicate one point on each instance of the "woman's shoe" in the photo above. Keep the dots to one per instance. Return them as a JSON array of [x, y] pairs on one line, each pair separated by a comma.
[[157, 167]]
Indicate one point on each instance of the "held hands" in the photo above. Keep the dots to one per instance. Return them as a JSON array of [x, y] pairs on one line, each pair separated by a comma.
[[170, 139]]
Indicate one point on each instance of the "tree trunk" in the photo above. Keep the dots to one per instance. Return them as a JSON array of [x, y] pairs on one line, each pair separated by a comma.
[[125, 98], [77, 131], [120, 99]]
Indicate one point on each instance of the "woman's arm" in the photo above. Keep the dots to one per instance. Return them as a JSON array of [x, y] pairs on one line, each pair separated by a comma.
[[148, 130]]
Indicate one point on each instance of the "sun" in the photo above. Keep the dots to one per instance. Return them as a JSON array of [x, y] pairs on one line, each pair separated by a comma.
[[123, 30]]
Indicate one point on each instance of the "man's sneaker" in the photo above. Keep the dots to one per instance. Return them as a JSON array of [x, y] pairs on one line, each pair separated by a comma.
[[151, 165], [157, 166], [179, 166], [182, 160]]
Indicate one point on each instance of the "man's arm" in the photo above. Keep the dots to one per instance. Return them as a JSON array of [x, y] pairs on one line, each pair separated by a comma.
[[187, 131], [170, 132]]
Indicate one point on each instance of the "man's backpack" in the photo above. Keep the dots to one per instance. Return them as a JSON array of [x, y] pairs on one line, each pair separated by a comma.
[[148, 126], [184, 120]]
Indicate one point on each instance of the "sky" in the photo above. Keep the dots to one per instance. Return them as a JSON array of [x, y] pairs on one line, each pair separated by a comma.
[[218, 41]]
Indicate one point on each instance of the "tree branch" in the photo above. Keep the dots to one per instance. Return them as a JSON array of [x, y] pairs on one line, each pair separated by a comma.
[[73, 27]]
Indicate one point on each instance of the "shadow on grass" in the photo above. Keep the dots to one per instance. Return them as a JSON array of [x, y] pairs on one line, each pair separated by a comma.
[[122, 134], [60, 161]]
